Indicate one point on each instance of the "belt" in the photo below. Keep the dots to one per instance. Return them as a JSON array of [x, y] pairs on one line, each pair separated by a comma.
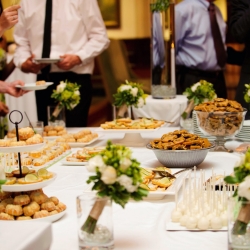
[[197, 72]]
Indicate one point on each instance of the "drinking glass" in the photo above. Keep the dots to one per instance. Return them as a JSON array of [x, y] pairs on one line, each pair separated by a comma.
[[38, 127]]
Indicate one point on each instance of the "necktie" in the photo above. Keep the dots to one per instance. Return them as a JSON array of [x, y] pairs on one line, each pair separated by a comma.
[[47, 34], [218, 43]]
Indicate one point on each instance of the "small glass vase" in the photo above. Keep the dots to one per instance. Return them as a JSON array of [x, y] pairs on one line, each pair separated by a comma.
[[238, 224], [56, 116], [123, 111], [88, 204]]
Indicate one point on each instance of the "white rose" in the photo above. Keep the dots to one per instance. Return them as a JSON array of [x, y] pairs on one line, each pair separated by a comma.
[[125, 163], [244, 188], [127, 182], [60, 88], [194, 87], [94, 162], [109, 175], [134, 91], [125, 87], [140, 102], [77, 92]]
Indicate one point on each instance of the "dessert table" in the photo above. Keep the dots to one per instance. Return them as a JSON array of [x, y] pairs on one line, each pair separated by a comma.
[[141, 225], [162, 109]]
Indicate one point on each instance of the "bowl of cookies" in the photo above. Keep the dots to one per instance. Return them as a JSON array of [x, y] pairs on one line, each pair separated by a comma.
[[220, 118], [180, 149]]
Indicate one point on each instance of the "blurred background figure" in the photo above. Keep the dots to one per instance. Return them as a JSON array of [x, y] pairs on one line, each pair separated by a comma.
[[200, 45], [73, 31], [239, 27]]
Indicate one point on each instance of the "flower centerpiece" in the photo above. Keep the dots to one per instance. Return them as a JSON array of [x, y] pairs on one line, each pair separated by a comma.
[[199, 92], [118, 176], [159, 5], [66, 95], [129, 94], [241, 177]]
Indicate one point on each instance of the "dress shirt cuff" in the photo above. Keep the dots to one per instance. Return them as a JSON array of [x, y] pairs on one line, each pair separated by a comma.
[[19, 61], [82, 57]]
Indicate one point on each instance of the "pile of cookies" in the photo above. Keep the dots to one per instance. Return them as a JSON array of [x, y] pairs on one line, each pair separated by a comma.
[[27, 136], [28, 205], [82, 136], [220, 117], [54, 131], [180, 140]]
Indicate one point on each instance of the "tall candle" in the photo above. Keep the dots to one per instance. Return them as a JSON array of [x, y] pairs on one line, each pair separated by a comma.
[[172, 66]]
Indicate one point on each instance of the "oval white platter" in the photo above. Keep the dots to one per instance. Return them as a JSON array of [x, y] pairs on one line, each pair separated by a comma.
[[51, 218], [33, 86], [82, 144], [28, 187], [25, 148]]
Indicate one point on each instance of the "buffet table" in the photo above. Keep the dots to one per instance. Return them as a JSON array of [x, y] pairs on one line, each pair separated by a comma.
[[141, 225]]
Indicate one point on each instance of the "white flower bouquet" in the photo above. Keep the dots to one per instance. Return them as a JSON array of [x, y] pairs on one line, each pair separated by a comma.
[[241, 176], [67, 95], [199, 92], [129, 94], [117, 176]]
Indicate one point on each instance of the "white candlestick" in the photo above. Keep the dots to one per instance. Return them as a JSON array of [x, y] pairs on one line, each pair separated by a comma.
[[172, 66]]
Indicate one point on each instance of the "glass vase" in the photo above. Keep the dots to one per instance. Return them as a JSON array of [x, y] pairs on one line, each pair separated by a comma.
[[56, 116], [95, 225], [238, 224], [163, 82], [123, 111]]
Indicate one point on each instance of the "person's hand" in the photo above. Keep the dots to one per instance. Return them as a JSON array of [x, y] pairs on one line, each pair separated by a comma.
[[68, 61], [9, 17], [31, 67], [4, 110], [12, 90]]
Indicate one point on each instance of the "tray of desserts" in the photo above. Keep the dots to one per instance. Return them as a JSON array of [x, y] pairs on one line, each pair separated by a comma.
[[81, 157], [30, 180], [131, 126], [30, 206]]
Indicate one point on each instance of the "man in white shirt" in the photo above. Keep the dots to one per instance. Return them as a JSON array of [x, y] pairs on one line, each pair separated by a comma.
[[78, 34]]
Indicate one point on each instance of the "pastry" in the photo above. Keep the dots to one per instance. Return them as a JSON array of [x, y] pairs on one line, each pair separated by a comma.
[[30, 209], [25, 133], [38, 197], [17, 143], [62, 206], [58, 128], [4, 143], [26, 161], [48, 205], [23, 181], [54, 200], [23, 218], [36, 139], [52, 133], [4, 195], [48, 128], [40, 214], [53, 212], [22, 200], [10, 181], [2, 208], [14, 210], [42, 82], [7, 201], [35, 154], [4, 216], [38, 162], [61, 132]]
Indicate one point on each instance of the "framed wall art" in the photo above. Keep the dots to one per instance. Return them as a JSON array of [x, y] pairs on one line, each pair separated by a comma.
[[110, 10]]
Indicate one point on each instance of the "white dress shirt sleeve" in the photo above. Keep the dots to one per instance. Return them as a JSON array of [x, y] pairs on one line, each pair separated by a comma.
[[96, 31]]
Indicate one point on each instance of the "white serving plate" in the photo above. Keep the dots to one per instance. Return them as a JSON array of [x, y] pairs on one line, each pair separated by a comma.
[[72, 163], [47, 60], [127, 131], [33, 86], [51, 218], [28, 187], [158, 195], [82, 144], [25, 148], [50, 138]]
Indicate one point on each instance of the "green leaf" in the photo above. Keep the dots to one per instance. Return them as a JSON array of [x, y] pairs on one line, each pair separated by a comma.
[[231, 180]]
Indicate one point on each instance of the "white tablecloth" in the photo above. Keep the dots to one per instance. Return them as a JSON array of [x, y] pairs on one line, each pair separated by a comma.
[[26, 102], [165, 109], [141, 225]]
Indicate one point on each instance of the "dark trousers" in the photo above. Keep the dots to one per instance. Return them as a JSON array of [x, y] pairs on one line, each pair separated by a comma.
[[186, 77], [77, 117]]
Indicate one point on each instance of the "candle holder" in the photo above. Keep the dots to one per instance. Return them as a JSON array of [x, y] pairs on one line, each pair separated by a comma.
[[163, 82]]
